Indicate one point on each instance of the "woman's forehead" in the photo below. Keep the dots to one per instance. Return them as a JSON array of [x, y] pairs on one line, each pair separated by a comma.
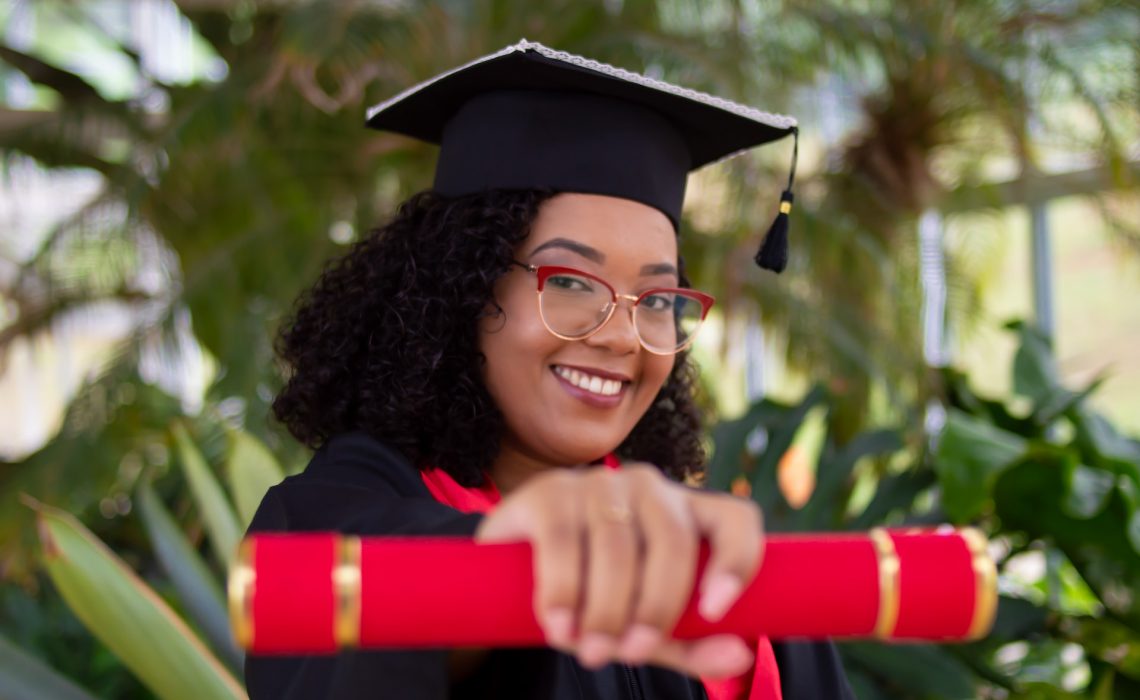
[[606, 230]]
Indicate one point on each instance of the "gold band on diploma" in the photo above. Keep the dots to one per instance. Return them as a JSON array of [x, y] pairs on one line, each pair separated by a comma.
[[240, 593], [888, 561], [985, 583], [346, 583]]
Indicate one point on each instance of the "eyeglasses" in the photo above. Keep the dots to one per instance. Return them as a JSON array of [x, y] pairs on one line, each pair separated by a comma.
[[575, 304]]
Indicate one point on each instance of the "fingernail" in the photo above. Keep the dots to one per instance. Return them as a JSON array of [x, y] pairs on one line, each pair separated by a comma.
[[638, 643], [741, 658], [719, 593], [558, 626], [733, 662], [595, 649]]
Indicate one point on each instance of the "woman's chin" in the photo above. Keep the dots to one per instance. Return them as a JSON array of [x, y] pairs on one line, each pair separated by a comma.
[[585, 453]]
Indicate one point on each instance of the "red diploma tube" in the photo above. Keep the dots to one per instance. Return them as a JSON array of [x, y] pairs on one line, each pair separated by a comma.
[[318, 593]]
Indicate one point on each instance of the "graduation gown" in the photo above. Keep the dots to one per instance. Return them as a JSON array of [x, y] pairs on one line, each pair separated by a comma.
[[357, 485]]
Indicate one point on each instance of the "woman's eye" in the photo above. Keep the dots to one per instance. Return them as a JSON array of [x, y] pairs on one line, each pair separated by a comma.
[[658, 302], [569, 284]]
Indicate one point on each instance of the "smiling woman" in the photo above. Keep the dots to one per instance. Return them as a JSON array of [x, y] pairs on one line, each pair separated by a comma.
[[505, 359], [567, 402]]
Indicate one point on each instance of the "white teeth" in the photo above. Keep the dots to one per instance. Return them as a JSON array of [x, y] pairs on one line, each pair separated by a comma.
[[590, 383]]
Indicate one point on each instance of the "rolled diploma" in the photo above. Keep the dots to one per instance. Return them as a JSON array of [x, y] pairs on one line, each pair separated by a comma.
[[318, 593]]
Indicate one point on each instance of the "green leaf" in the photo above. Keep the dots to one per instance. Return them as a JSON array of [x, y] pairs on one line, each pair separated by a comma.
[[1133, 530], [1103, 445], [1017, 619], [827, 503], [1088, 491], [1030, 496], [730, 438], [1035, 372], [894, 492], [127, 615], [251, 469], [864, 686], [24, 677], [1063, 401], [970, 456], [1103, 689], [920, 670], [198, 589], [217, 514]]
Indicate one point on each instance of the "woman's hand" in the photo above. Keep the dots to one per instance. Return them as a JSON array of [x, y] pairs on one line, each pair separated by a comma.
[[615, 555]]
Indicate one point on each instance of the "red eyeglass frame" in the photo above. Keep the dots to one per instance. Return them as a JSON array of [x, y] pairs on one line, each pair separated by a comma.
[[544, 272]]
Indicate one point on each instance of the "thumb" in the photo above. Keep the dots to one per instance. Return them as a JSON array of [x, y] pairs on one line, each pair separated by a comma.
[[734, 530]]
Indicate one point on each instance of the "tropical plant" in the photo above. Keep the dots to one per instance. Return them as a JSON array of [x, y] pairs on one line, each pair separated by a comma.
[[179, 644], [1052, 482]]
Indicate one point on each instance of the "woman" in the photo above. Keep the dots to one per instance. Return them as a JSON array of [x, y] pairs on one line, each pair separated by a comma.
[[444, 400]]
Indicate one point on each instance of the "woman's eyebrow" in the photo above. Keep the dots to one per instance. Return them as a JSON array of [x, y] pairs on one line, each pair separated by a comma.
[[658, 269], [595, 255], [573, 246]]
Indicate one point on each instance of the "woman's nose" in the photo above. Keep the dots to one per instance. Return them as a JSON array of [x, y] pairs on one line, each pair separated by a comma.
[[618, 334]]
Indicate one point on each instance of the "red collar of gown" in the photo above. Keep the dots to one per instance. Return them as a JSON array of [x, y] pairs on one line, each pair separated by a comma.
[[761, 682]]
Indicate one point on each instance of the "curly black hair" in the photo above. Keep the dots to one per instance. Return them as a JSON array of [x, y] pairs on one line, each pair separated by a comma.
[[386, 343]]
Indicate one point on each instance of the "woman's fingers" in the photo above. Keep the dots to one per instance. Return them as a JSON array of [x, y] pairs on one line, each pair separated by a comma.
[[668, 568], [552, 521], [612, 565], [734, 529], [615, 558], [718, 656]]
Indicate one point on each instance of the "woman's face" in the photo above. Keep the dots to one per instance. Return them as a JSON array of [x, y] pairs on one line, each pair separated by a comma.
[[537, 379]]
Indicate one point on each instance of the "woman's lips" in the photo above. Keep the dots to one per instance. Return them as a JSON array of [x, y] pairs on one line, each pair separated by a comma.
[[590, 388]]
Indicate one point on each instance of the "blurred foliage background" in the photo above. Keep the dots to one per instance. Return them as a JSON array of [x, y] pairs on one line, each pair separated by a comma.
[[176, 171]]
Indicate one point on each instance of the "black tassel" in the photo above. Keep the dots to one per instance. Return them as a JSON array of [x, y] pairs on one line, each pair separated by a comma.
[[773, 254]]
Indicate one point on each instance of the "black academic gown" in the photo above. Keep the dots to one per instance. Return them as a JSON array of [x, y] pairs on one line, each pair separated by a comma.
[[355, 484]]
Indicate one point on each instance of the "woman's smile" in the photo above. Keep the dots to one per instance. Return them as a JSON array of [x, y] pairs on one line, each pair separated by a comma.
[[594, 387]]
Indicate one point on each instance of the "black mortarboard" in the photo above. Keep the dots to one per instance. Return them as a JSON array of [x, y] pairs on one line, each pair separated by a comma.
[[529, 116]]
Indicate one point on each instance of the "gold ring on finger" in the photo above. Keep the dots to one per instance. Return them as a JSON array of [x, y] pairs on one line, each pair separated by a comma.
[[618, 513]]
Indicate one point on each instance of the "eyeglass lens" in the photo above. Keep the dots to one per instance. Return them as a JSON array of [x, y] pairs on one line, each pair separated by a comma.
[[573, 306]]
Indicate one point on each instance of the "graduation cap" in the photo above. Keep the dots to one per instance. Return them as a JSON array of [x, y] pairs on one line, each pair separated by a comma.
[[530, 116]]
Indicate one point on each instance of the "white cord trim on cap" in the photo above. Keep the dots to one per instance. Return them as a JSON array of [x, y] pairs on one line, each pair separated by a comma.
[[779, 121], [373, 111]]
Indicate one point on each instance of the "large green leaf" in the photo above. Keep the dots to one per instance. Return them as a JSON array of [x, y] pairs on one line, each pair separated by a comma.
[[24, 677], [894, 493], [215, 509], [1088, 491], [962, 397], [1017, 619], [251, 469], [1034, 369], [1033, 496], [1102, 445], [970, 455], [917, 670], [127, 615], [198, 589]]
